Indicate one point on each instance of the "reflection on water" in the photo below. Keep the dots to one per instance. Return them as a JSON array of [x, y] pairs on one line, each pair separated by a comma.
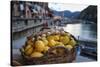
[[84, 31], [74, 29]]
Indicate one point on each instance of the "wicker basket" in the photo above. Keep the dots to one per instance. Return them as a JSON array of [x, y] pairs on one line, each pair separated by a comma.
[[66, 56]]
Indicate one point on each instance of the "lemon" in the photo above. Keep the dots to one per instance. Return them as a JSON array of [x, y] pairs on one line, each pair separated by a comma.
[[29, 51], [45, 41], [51, 37], [27, 47], [64, 39], [59, 44], [39, 46], [69, 47], [51, 43], [56, 37], [36, 54], [72, 42], [46, 49]]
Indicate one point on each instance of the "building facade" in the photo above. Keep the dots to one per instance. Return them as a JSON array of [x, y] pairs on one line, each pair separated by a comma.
[[28, 17]]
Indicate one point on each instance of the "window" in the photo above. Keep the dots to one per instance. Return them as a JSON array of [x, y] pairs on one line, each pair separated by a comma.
[[40, 20], [26, 22], [34, 20]]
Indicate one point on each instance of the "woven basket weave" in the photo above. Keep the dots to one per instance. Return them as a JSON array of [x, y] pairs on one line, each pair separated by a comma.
[[66, 56], [49, 58]]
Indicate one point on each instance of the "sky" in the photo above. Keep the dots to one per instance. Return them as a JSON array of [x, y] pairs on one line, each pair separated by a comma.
[[71, 7]]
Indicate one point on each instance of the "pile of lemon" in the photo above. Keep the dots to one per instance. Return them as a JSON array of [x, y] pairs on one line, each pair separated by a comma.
[[37, 46]]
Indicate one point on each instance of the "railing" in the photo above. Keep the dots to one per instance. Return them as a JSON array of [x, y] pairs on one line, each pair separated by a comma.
[[23, 27]]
